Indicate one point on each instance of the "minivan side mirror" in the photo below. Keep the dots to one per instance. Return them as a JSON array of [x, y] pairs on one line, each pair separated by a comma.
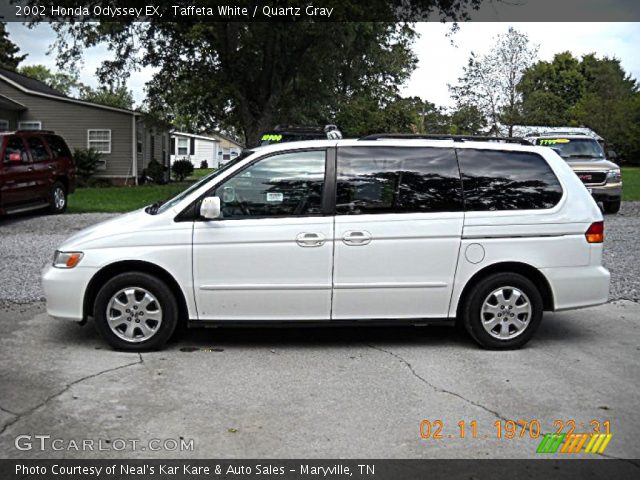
[[210, 208]]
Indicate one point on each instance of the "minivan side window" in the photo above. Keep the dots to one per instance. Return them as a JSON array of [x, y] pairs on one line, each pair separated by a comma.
[[288, 184], [38, 150], [58, 147], [500, 180], [15, 145], [376, 179]]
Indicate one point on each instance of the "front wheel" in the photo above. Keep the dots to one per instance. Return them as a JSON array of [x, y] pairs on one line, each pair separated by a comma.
[[135, 312], [612, 207], [503, 311]]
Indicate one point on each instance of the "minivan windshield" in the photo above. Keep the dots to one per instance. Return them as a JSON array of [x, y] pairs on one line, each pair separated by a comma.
[[573, 147], [160, 207]]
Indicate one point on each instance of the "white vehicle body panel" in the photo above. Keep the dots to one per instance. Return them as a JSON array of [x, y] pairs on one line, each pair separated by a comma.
[[405, 271], [256, 270]]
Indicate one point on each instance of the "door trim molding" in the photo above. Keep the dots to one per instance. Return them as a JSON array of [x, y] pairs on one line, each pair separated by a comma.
[[367, 286], [258, 286]]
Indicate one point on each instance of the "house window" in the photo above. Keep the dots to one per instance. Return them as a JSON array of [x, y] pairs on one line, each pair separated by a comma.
[[99, 140], [183, 146], [4, 125], [29, 125]]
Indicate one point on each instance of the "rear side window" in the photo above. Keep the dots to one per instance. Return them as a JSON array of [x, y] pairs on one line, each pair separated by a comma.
[[38, 150], [495, 180], [15, 146], [397, 180], [58, 147]]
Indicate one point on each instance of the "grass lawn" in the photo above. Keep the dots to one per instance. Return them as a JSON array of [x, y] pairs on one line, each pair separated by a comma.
[[198, 173], [120, 199], [631, 183], [125, 199]]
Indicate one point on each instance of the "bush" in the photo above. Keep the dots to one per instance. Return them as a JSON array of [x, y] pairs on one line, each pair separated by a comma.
[[182, 169], [155, 170], [204, 164], [87, 161]]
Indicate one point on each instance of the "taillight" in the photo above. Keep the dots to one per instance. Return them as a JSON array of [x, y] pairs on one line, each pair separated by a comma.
[[595, 234]]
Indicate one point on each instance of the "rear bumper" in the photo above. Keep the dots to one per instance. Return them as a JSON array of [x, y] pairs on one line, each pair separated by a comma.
[[64, 290], [578, 287]]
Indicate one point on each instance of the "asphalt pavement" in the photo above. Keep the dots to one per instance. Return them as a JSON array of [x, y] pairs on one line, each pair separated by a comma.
[[310, 393]]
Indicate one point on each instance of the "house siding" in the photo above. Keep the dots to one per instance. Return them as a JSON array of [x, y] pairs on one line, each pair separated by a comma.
[[73, 120], [204, 150]]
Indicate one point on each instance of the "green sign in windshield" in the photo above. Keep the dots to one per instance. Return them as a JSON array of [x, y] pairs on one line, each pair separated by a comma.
[[553, 141], [270, 137]]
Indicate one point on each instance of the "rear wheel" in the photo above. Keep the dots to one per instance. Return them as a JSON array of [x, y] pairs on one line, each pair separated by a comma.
[[612, 207], [135, 312], [503, 311], [58, 202]]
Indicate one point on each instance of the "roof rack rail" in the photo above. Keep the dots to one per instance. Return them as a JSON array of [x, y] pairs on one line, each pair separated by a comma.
[[559, 133], [46, 132], [455, 138]]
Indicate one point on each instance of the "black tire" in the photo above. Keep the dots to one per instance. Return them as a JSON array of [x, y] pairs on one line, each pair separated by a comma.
[[471, 310], [164, 299], [612, 207], [58, 198]]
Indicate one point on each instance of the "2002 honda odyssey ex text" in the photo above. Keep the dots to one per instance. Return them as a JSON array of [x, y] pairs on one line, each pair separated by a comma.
[[376, 230]]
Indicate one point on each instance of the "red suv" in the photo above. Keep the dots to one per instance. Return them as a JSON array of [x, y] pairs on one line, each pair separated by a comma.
[[36, 171]]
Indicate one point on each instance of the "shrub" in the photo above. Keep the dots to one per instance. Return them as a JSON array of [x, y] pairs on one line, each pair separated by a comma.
[[155, 170], [182, 169], [204, 164], [87, 161]]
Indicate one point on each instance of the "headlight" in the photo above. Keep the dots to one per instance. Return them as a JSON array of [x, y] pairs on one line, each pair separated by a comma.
[[614, 176], [66, 259]]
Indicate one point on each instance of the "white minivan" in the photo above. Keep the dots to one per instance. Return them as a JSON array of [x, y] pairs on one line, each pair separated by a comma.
[[380, 230]]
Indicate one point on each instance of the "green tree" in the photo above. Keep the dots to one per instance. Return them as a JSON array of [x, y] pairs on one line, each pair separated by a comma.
[[365, 115], [594, 92], [115, 96], [550, 89], [249, 76], [467, 120], [9, 57], [489, 82], [63, 82]]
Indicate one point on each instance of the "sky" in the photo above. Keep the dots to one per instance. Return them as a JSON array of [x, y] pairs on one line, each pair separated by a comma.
[[441, 58]]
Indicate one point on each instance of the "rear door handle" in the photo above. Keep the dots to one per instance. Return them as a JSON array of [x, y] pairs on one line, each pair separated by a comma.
[[356, 238], [310, 239]]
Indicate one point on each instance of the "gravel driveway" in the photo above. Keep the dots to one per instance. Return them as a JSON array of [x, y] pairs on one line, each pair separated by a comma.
[[28, 242]]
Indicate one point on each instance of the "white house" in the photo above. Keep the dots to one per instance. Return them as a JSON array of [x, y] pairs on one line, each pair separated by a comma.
[[195, 148]]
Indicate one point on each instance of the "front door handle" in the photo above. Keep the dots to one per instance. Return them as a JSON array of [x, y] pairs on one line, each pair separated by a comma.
[[356, 239], [310, 239]]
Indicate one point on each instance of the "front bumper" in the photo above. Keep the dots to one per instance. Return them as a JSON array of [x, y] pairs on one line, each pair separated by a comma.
[[64, 290], [607, 192]]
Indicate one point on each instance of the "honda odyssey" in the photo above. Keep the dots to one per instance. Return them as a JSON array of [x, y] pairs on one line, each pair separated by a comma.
[[377, 230]]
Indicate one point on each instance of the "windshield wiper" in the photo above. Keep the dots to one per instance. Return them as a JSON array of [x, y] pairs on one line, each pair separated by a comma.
[[153, 208]]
